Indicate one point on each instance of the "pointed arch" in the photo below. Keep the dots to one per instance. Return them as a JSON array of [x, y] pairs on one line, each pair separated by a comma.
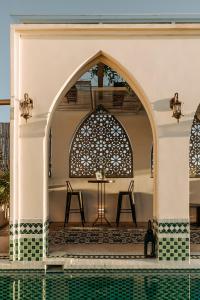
[[194, 152], [107, 59]]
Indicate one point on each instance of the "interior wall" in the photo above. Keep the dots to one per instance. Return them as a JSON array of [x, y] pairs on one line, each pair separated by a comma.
[[194, 196], [138, 128]]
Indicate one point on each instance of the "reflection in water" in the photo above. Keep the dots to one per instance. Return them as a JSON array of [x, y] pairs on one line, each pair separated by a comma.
[[97, 285]]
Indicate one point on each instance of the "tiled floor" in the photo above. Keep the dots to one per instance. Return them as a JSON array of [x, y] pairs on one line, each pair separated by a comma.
[[94, 241]]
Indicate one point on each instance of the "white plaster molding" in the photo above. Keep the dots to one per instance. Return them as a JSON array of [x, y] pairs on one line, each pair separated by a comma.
[[33, 129], [123, 30]]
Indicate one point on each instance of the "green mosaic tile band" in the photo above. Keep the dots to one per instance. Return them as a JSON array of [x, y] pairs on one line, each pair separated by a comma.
[[173, 249], [26, 249], [172, 239], [173, 227], [31, 244], [28, 228]]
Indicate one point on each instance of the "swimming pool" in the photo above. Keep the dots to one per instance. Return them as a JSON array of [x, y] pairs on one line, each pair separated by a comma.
[[101, 285]]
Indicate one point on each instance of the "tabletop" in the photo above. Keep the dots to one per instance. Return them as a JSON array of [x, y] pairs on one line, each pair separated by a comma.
[[101, 181]]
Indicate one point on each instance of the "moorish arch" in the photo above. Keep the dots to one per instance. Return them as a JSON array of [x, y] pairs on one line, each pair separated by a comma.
[[102, 57], [194, 154], [127, 172]]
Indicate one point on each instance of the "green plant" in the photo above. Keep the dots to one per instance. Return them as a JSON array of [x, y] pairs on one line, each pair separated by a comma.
[[5, 188], [111, 76]]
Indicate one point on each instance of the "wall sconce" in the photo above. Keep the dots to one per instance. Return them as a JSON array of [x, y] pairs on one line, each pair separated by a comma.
[[175, 105], [26, 107]]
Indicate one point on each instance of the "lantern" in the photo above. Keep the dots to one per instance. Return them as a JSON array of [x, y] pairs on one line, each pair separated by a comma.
[[26, 107]]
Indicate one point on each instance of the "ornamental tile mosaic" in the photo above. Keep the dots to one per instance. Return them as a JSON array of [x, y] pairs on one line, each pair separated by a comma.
[[173, 249], [173, 240], [28, 241], [173, 227], [101, 144], [26, 228], [26, 249], [101, 285], [194, 159], [62, 236]]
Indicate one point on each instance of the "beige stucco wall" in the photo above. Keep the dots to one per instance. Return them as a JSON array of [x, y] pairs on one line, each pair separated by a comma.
[[156, 60], [63, 127]]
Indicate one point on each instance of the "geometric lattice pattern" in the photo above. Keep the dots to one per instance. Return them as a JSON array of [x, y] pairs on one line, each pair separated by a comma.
[[26, 228], [27, 249], [28, 241], [172, 239], [103, 285], [16, 286], [61, 236], [173, 248], [182, 227], [194, 158], [101, 144]]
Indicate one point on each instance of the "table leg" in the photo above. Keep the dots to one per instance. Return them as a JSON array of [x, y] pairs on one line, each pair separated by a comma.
[[198, 216], [104, 203], [101, 195]]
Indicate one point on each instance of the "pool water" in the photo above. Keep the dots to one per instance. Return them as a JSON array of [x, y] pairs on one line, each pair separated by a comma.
[[101, 285]]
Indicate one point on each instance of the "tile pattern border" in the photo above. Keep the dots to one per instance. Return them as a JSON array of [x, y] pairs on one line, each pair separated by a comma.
[[172, 239], [28, 240]]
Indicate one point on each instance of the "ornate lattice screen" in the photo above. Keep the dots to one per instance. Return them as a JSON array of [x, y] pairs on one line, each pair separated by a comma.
[[194, 159], [101, 143]]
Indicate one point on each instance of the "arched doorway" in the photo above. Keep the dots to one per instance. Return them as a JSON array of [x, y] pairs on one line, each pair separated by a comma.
[[68, 101], [194, 179]]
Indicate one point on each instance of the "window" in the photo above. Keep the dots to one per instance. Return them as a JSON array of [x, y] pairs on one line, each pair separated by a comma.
[[101, 144], [194, 159]]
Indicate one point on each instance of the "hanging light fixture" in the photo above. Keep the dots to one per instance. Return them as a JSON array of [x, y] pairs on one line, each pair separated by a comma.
[[175, 105], [26, 107]]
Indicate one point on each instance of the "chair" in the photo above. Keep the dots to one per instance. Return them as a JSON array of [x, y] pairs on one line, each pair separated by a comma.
[[131, 210], [79, 195]]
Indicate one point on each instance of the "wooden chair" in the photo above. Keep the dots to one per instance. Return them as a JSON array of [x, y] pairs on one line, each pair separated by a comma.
[[131, 210], [69, 197]]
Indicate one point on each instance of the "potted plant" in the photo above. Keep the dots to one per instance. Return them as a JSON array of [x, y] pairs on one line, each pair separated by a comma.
[[112, 78], [4, 196]]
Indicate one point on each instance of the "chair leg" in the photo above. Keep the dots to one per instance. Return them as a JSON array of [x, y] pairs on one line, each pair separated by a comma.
[[119, 204], [80, 207], [67, 209], [133, 209]]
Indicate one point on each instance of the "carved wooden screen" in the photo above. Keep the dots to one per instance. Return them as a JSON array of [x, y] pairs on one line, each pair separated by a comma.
[[194, 159], [101, 144]]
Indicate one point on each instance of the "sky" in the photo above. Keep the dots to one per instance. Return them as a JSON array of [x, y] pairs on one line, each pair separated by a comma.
[[18, 11]]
